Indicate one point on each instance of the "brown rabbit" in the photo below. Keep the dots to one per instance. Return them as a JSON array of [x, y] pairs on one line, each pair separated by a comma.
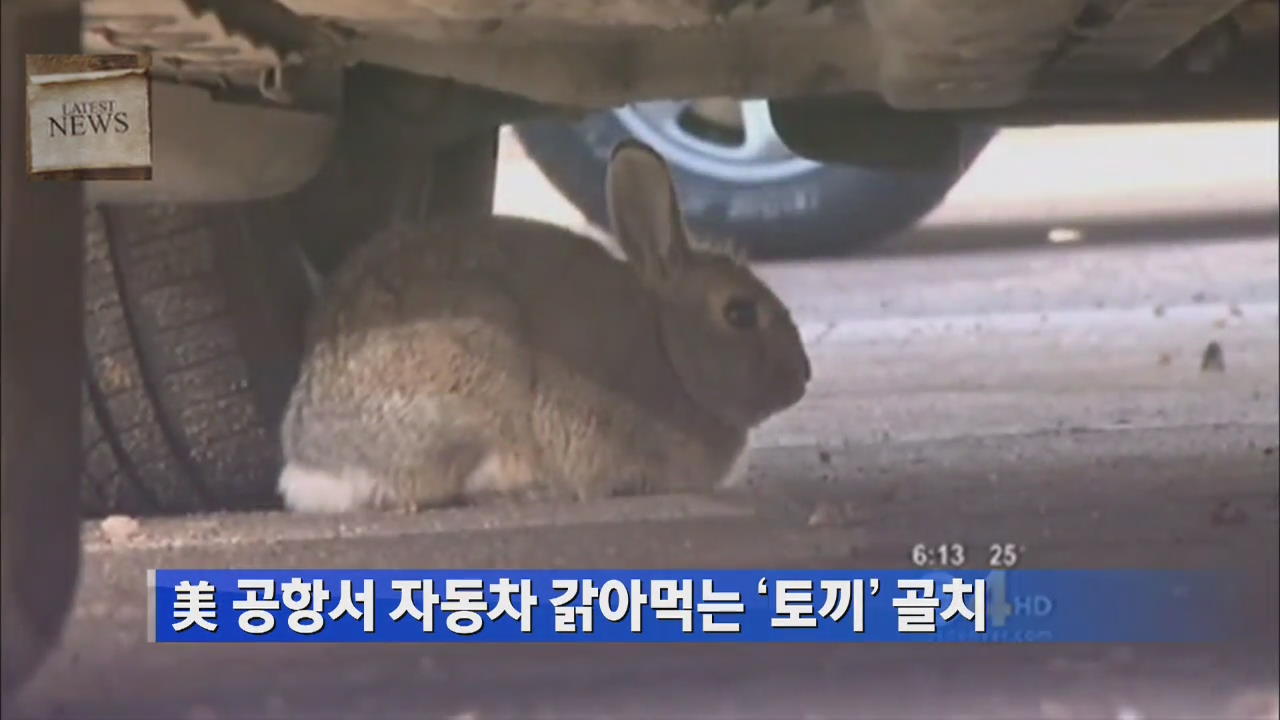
[[500, 356]]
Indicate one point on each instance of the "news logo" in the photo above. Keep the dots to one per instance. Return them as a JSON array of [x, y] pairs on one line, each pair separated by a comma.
[[488, 606], [88, 117]]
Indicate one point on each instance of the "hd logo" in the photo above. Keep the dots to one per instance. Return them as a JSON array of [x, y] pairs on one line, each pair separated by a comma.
[[1000, 603]]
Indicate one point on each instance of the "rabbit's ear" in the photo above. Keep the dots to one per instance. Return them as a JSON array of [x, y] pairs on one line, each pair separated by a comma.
[[644, 211]]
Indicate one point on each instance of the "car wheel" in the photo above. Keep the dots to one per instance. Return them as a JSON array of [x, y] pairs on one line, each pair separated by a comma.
[[193, 330], [737, 181], [195, 315], [40, 364]]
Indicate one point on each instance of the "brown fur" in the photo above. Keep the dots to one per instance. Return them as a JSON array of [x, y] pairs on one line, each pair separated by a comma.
[[500, 356]]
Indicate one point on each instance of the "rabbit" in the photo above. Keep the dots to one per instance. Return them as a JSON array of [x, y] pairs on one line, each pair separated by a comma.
[[499, 358]]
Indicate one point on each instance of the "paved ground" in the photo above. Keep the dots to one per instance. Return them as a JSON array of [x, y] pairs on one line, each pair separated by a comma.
[[1047, 395]]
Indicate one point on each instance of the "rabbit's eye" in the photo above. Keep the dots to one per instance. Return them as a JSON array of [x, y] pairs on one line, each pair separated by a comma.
[[741, 313]]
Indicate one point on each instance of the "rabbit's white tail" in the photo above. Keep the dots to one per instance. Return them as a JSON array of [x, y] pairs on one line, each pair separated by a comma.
[[308, 490]]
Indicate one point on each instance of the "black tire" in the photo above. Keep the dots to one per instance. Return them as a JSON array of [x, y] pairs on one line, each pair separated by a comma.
[[193, 330], [832, 209], [195, 322]]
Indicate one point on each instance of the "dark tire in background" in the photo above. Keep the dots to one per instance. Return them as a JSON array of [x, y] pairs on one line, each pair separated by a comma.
[[194, 323], [771, 206], [195, 319]]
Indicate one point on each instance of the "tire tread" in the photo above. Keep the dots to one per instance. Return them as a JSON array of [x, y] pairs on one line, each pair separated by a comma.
[[168, 393]]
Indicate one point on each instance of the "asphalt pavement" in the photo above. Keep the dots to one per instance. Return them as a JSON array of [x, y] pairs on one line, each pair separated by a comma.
[[1051, 395]]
